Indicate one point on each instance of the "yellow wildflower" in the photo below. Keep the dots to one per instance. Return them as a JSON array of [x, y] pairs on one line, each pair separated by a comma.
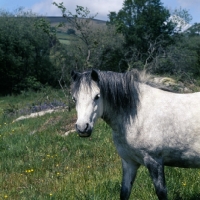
[[29, 170], [184, 184]]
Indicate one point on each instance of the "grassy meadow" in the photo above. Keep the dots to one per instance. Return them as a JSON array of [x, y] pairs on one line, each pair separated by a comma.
[[64, 38], [39, 162]]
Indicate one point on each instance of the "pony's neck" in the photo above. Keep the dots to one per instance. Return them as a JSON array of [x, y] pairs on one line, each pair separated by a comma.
[[115, 119]]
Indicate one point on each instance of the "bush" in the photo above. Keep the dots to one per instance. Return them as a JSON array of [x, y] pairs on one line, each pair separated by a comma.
[[24, 53], [71, 31], [181, 59]]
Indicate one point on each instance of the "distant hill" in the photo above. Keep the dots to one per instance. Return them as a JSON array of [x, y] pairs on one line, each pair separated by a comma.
[[56, 19]]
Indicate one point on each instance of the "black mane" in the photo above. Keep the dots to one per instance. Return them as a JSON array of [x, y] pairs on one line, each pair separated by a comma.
[[118, 89]]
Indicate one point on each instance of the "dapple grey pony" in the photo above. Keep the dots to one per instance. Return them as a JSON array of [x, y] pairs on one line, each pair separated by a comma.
[[151, 127]]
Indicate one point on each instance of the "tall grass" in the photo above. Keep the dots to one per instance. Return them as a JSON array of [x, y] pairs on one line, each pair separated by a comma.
[[38, 162]]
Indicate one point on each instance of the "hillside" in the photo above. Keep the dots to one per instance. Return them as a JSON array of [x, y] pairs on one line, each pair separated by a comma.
[[62, 34], [55, 19]]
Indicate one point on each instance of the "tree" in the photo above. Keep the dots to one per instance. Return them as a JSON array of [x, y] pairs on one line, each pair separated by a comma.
[[97, 45], [143, 22], [183, 14], [194, 30], [82, 22], [24, 53]]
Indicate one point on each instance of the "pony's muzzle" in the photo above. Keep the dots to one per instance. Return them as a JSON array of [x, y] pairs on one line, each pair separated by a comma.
[[84, 130]]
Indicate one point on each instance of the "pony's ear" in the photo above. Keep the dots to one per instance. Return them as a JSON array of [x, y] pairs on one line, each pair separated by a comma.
[[95, 75], [74, 75]]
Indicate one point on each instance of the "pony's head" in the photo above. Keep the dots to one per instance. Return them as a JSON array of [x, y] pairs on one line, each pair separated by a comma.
[[87, 96]]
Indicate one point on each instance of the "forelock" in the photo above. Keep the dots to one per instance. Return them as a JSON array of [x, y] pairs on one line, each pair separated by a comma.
[[84, 80]]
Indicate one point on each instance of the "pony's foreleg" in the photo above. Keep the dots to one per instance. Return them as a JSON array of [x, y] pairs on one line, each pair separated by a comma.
[[129, 174], [156, 170]]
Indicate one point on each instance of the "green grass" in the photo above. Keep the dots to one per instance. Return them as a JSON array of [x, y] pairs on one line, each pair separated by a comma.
[[38, 162], [66, 42], [65, 38]]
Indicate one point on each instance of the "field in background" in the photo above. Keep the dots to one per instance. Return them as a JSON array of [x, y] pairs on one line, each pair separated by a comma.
[[39, 162], [64, 38]]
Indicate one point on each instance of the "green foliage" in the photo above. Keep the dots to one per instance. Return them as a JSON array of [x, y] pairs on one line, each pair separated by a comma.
[[81, 22], [132, 39], [142, 23], [180, 59], [71, 31], [96, 45], [36, 53], [183, 14], [154, 43], [194, 30], [29, 82], [24, 53]]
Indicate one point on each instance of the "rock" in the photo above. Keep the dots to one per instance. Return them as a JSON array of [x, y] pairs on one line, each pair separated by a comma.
[[70, 131], [171, 84]]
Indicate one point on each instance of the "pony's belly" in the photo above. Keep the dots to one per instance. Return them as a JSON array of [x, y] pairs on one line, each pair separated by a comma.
[[184, 163], [172, 160], [183, 157]]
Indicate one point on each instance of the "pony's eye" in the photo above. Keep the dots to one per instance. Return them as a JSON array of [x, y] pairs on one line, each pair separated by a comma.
[[74, 100], [96, 97]]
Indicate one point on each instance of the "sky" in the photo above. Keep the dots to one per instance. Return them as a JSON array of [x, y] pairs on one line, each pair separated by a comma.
[[102, 7]]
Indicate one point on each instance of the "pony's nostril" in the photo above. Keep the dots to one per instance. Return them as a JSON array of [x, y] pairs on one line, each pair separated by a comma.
[[82, 128], [87, 125]]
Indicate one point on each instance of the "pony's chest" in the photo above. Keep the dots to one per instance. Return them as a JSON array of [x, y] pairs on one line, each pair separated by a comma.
[[128, 150]]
